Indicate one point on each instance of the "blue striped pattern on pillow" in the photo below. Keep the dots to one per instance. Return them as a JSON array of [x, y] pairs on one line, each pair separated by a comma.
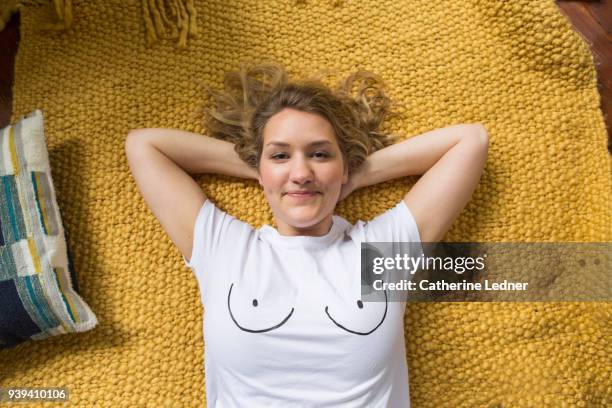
[[38, 296]]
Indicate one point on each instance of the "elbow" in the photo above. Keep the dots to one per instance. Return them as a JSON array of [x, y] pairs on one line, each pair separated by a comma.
[[134, 136], [129, 141], [481, 136], [134, 133]]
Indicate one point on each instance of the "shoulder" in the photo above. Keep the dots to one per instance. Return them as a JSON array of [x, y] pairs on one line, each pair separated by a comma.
[[217, 232], [211, 212], [395, 224]]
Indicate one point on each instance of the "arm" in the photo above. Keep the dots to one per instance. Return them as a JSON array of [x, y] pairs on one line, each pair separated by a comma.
[[196, 153], [160, 161], [452, 160]]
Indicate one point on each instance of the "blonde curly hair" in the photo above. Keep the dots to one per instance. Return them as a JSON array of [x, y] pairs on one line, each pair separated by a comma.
[[253, 94]]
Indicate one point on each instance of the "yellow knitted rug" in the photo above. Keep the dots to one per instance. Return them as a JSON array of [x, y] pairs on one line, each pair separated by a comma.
[[516, 66]]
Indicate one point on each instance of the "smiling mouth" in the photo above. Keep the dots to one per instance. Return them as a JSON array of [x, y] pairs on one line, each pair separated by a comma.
[[302, 195]]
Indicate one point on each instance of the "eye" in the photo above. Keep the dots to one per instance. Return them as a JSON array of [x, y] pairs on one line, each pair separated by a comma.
[[279, 156], [321, 154]]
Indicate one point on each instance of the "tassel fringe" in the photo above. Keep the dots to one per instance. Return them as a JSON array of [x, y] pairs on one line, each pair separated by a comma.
[[163, 19], [63, 9], [7, 8], [169, 19]]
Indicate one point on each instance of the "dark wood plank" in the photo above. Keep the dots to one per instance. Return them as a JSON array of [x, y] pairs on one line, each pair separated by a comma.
[[9, 41], [602, 12], [593, 21]]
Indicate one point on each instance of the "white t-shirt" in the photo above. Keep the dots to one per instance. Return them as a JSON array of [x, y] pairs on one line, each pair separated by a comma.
[[282, 323]]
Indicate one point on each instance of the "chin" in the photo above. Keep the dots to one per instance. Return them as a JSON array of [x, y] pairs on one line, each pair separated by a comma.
[[303, 220], [303, 217]]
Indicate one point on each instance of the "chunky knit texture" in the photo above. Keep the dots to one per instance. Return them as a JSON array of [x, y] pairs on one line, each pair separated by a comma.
[[515, 66]]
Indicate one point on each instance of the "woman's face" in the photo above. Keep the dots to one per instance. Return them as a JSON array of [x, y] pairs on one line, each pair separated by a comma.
[[300, 154]]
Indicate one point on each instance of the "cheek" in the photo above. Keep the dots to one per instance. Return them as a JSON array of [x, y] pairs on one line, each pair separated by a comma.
[[270, 180], [333, 175]]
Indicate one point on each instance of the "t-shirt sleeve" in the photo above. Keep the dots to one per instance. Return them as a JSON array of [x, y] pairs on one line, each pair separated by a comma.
[[396, 233], [394, 225], [216, 235]]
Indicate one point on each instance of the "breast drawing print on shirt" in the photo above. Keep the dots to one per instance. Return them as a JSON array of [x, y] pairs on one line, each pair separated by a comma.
[[360, 305], [272, 318], [254, 303]]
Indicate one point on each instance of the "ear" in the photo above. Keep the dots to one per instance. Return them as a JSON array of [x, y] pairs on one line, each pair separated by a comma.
[[345, 175]]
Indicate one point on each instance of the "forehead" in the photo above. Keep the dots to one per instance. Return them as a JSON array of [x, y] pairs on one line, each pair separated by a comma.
[[294, 127]]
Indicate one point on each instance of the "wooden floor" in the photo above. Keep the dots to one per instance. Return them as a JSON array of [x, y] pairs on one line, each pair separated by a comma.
[[592, 19], [9, 40]]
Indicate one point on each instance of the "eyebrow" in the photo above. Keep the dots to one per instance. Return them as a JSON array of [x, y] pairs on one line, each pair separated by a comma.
[[317, 143]]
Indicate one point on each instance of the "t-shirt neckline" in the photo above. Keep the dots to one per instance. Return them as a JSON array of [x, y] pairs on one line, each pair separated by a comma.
[[272, 235]]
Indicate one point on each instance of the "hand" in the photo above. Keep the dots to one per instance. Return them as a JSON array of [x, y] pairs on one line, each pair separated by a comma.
[[251, 173], [350, 186], [358, 179], [346, 190]]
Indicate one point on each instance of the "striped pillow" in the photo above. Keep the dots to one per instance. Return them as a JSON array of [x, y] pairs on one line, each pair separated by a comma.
[[37, 281]]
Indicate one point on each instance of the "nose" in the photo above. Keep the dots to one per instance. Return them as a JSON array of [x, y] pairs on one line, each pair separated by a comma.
[[301, 171]]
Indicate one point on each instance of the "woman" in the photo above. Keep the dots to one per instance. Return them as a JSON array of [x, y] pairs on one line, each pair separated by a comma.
[[284, 324]]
